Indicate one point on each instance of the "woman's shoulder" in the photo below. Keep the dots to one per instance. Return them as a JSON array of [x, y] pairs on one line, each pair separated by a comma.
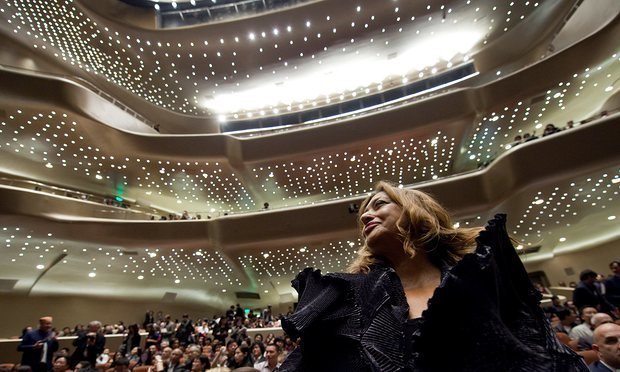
[[329, 297]]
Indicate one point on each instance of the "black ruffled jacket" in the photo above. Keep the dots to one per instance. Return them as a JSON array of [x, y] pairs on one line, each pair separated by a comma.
[[484, 316]]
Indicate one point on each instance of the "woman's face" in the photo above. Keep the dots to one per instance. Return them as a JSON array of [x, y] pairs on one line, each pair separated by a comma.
[[256, 351], [239, 355], [196, 365], [380, 219]]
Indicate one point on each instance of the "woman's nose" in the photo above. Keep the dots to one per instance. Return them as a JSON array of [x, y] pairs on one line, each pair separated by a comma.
[[366, 217]]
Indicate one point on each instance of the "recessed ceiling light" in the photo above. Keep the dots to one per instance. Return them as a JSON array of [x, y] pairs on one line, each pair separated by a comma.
[[177, 281], [40, 267], [562, 239], [538, 201], [140, 277], [92, 274], [611, 218]]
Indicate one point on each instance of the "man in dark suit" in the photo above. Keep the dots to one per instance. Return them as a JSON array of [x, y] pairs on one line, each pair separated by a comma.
[[587, 293], [39, 346], [607, 344]]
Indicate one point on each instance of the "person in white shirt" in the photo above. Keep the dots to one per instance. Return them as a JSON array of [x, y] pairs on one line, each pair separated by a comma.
[[583, 332], [271, 363]]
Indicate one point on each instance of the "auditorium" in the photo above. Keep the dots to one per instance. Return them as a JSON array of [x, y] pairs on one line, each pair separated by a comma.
[[191, 157]]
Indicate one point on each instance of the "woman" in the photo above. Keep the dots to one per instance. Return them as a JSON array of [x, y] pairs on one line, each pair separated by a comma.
[[132, 340], [200, 364], [423, 295], [258, 352], [241, 358]]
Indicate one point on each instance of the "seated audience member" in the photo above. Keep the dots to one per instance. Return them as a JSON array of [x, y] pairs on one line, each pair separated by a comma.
[[121, 365], [527, 137], [599, 319], [154, 336], [271, 362], [550, 129], [193, 353], [83, 366], [134, 357], [231, 346], [257, 352], [567, 321], [103, 359], [607, 344], [582, 333], [61, 364], [200, 364], [38, 346], [612, 284], [174, 363], [241, 358], [166, 353], [148, 357], [221, 357]]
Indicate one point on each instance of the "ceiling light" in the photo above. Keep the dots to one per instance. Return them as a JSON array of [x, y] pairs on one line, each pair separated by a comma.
[[562, 239], [92, 274], [538, 201], [49, 165], [40, 267], [177, 281], [611, 218], [140, 277]]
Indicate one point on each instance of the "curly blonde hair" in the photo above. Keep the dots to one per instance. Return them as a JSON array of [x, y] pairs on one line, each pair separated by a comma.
[[424, 225]]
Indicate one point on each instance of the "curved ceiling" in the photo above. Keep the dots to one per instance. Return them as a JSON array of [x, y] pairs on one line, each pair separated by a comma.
[[561, 191]]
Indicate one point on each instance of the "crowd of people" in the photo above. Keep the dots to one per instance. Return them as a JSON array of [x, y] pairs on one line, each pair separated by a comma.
[[587, 323], [221, 343]]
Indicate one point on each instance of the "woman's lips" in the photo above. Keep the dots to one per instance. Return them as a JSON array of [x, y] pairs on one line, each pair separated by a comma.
[[369, 227]]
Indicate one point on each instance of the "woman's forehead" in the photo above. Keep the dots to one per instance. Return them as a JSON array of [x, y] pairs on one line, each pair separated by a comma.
[[380, 194]]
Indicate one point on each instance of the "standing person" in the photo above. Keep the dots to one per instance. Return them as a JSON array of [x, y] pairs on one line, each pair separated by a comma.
[[38, 346], [395, 310], [587, 293], [267, 315], [612, 284], [132, 339], [185, 331], [88, 345]]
